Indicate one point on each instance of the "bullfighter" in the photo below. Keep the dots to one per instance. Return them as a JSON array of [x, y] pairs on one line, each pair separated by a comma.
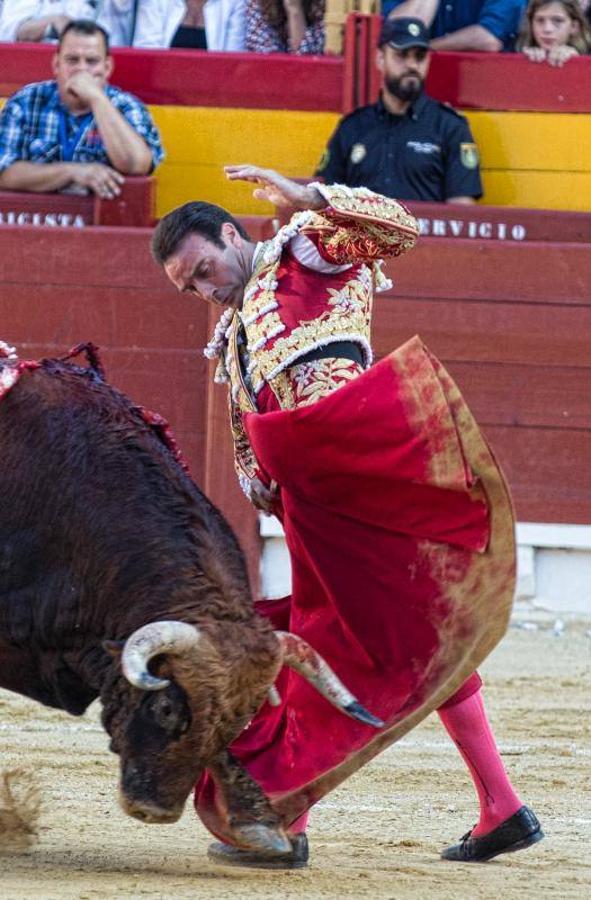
[[397, 518]]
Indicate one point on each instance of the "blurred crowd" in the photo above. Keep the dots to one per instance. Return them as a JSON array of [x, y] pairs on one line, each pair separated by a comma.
[[77, 132], [549, 31]]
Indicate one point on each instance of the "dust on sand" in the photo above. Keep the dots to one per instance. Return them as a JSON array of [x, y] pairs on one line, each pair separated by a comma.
[[377, 837], [19, 809]]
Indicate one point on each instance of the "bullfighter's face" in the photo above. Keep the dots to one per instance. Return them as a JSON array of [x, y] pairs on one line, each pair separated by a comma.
[[217, 274]]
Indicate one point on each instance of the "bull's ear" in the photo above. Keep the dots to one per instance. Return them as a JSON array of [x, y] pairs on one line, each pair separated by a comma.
[[113, 648]]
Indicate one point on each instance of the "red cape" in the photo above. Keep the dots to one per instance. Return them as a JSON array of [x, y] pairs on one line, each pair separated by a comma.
[[401, 535]]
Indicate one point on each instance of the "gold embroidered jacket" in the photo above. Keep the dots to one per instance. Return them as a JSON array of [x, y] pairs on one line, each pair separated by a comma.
[[312, 285]]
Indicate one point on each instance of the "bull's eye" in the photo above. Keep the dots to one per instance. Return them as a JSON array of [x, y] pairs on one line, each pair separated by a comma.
[[168, 714], [169, 711], [165, 708]]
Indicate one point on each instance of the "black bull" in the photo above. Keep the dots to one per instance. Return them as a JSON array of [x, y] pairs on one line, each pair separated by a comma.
[[111, 560]]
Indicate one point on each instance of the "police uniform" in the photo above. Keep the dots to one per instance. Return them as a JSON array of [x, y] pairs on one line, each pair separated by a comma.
[[428, 153]]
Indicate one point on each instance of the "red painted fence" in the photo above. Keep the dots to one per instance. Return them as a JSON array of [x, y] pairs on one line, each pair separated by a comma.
[[501, 81], [511, 320], [135, 207]]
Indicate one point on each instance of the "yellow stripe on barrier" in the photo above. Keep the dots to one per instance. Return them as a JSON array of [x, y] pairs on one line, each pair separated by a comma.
[[538, 190], [532, 141], [200, 141], [539, 160], [528, 159]]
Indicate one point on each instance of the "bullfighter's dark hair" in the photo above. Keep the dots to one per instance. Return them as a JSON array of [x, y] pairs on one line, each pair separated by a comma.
[[195, 217], [86, 27]]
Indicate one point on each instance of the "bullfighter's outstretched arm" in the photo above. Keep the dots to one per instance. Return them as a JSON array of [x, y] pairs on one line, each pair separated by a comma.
[[347, 225]]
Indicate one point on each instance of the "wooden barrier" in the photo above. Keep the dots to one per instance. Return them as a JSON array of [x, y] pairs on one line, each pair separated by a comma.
[[198, 78], [480, 222], [511, 320], [491, 81], [215, 108], [59, 287], [361, 78], [501, 223], [134, 207]]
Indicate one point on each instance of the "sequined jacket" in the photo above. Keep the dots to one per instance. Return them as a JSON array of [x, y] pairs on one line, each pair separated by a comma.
[[312, 285]]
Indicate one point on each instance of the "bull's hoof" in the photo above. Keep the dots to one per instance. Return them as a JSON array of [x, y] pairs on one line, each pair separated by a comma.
[[519, 831], [296, 858]]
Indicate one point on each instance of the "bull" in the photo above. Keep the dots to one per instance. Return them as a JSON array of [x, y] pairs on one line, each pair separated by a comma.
[[120, 580]]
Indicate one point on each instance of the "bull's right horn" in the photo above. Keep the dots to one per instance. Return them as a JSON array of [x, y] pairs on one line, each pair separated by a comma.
[[299, 655], [150, 640]]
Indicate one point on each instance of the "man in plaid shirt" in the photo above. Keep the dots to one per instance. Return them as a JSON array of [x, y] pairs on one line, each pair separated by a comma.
[[76, 133]]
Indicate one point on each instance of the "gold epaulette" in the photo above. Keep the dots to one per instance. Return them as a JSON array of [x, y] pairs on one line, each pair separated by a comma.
[[361, 203]]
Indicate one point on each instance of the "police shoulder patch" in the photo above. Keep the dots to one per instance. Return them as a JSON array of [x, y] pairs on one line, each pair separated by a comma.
[[469, 155], [358, 152]]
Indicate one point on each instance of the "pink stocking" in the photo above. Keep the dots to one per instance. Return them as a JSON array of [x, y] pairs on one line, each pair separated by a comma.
[[467, 724], [300, 824]]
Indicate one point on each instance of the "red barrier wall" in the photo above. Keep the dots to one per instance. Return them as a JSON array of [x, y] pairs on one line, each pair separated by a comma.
[[135, 206], [510, 320], [62, 286], [503, 223], [494, 81]]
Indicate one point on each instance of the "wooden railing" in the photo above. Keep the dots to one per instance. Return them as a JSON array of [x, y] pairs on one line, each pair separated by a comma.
[[490, 81], [478, 222], [134, 207], [336, 16]]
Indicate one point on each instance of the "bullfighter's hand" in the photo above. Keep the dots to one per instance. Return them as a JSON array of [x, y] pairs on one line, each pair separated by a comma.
[[276, 188], [263, 497], [100, 179]]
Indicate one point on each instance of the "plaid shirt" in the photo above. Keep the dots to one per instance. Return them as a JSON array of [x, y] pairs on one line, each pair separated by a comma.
[[30, 130]]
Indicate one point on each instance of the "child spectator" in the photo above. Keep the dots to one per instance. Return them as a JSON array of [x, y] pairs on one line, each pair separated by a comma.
[[285, 26], [554, 31]]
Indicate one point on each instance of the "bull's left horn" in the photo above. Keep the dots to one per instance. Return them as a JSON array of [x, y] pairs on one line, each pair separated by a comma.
[[300, 656], [149, 641]]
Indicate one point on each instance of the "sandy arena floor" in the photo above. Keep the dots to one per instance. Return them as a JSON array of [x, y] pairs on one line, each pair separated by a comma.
[[378, 837]]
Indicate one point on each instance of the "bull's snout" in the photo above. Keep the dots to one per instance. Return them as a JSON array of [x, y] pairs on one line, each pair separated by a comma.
[[138, 798]]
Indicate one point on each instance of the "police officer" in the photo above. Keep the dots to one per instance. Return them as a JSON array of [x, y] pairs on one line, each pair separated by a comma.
[[406, 145]]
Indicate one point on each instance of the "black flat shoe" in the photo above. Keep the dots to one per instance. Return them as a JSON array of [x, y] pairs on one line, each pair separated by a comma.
[[519, 831], [227, 855]]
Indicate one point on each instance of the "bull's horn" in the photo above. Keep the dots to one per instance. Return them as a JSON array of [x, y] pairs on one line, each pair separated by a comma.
[[149, 641], [298, 655]]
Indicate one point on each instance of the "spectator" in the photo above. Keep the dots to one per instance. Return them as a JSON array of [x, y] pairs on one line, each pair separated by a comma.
[[209, 25], [285, 26], [554, 31], [406, 145], [481, 25], [41, 20], [44, 20], [76, 133]]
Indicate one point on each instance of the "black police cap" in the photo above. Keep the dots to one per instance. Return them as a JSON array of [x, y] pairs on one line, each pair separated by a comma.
[[404, 32]]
